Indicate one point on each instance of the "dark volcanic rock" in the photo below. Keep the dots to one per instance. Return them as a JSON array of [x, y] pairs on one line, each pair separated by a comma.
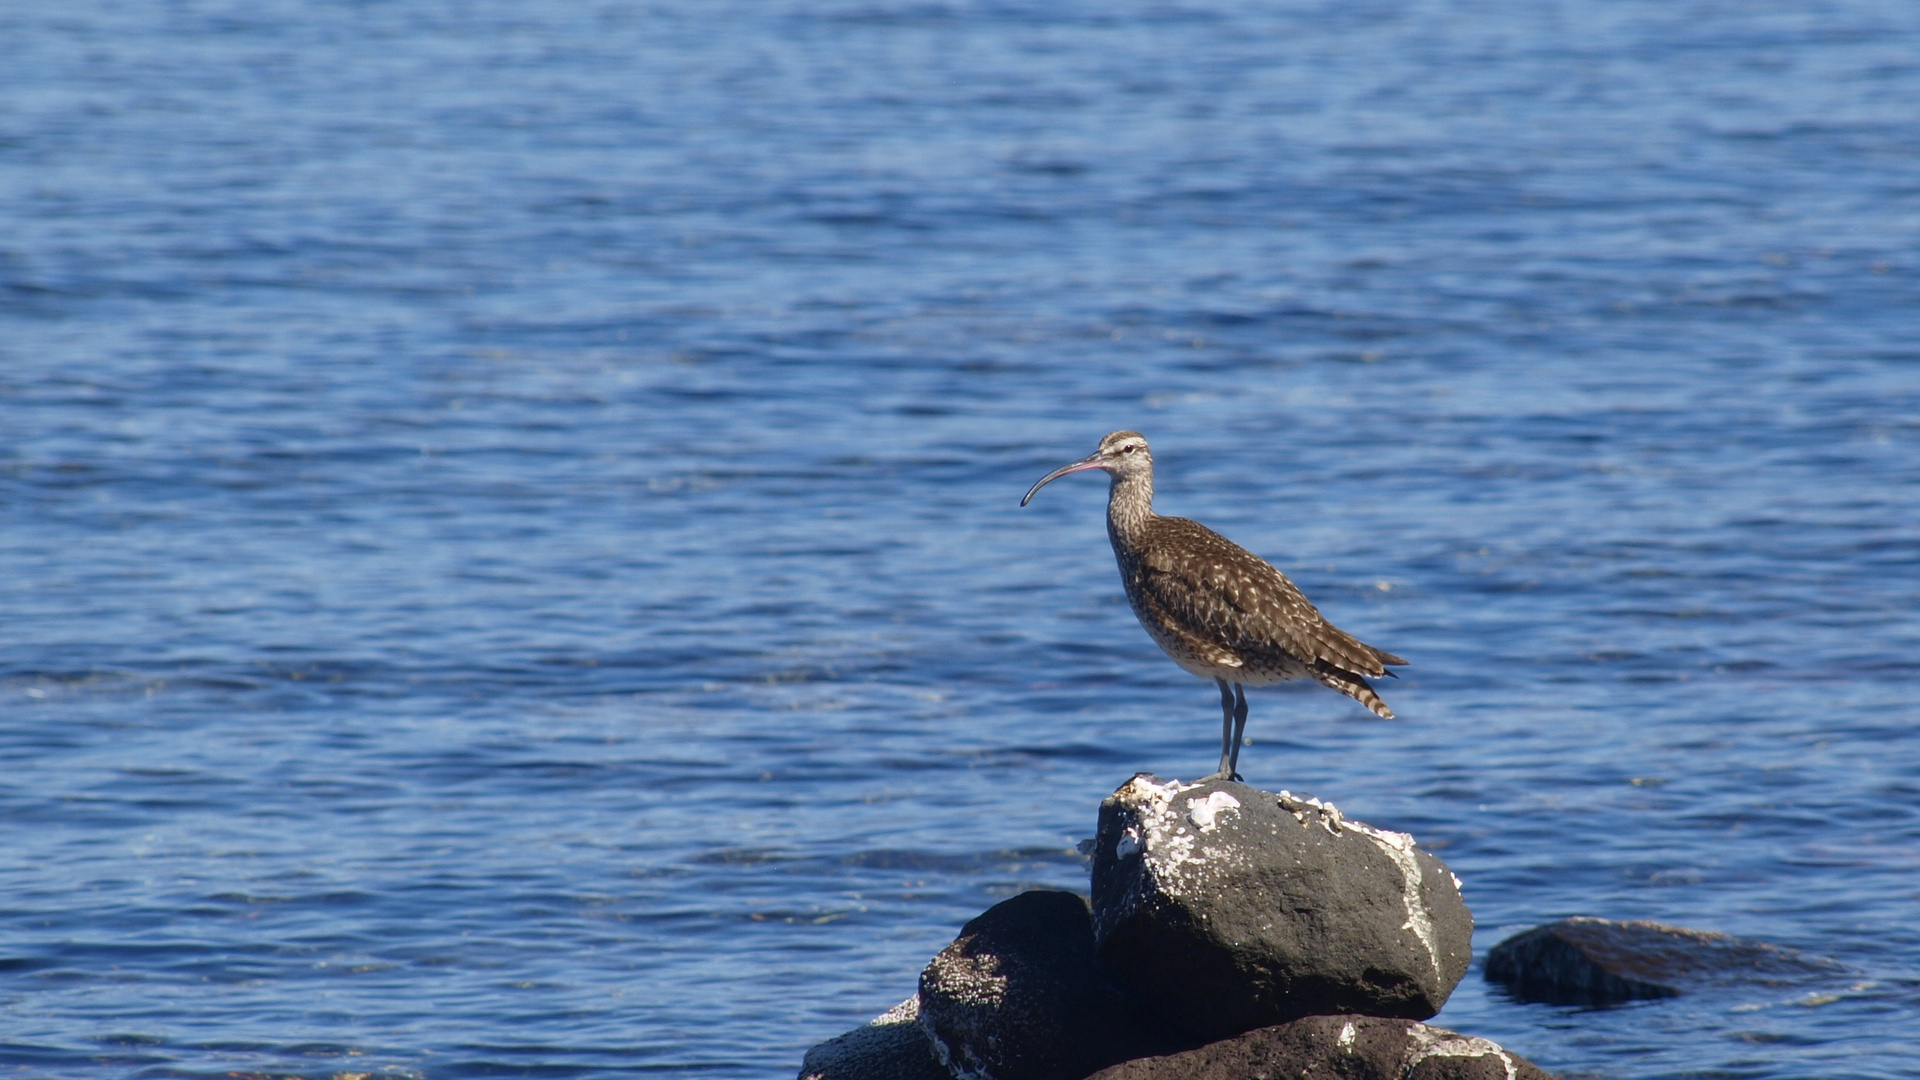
[[1337, 1048], [1227, 909], [892, 1047], [1021, 995], [1587, 961]]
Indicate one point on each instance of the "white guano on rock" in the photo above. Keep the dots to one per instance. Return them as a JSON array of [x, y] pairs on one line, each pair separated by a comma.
[[1428, 1042], [1205, 813], [1398, 846]]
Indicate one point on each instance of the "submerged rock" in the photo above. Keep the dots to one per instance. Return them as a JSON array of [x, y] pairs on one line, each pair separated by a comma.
[[891, 1047], [1227, 908], [1589, 961], [1021, 995], [1337, 1048]]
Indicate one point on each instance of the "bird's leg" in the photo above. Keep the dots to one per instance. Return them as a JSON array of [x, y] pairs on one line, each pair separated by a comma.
[[1239, 725], [1226, 732]]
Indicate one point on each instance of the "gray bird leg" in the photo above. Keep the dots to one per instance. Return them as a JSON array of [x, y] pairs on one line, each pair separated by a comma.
[[1239, 725], [1226, 732]]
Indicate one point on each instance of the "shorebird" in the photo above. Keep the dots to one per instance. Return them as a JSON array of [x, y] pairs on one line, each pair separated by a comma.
[[1220, 611]]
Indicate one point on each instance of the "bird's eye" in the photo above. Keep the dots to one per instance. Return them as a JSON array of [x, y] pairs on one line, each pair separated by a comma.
[[1129, 448]]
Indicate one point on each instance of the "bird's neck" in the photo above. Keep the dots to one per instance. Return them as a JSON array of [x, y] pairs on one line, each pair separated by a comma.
[[1129, 508]]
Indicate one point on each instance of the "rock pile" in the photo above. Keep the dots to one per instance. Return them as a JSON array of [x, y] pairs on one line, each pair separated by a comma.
[[1230, 929], [1229, 909]]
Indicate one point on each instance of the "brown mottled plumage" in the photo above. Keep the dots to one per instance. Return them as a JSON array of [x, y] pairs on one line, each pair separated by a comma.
[[1220, 611]]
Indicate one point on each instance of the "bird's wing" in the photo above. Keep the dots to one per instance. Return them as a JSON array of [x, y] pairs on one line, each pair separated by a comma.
[[1225, 593], [1161, 611]]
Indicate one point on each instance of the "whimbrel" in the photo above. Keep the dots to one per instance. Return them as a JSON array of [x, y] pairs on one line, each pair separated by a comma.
[[1220, 611]]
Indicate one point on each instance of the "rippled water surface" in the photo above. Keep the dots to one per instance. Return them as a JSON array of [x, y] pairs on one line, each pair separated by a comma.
[[508, 522]]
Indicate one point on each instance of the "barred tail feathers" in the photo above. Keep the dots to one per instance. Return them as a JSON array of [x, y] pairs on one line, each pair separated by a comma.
[[1356, 688]]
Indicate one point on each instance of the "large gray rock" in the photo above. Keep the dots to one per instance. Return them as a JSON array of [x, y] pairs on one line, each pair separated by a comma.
[[1228, 908], [1588, 961], [891, 1047], [1021, 995], [1337, 1048]]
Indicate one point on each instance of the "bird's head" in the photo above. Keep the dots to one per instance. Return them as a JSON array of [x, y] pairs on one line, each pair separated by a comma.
[[1121, 454]]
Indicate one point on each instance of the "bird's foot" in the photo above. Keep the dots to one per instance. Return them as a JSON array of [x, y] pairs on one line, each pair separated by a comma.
[[1223, 774]]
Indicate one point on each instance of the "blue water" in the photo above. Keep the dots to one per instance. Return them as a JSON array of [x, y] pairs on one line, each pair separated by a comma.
[[508, 514]]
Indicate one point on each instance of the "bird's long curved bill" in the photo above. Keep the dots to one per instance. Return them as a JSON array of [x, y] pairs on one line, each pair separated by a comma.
[[1085, 463]]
